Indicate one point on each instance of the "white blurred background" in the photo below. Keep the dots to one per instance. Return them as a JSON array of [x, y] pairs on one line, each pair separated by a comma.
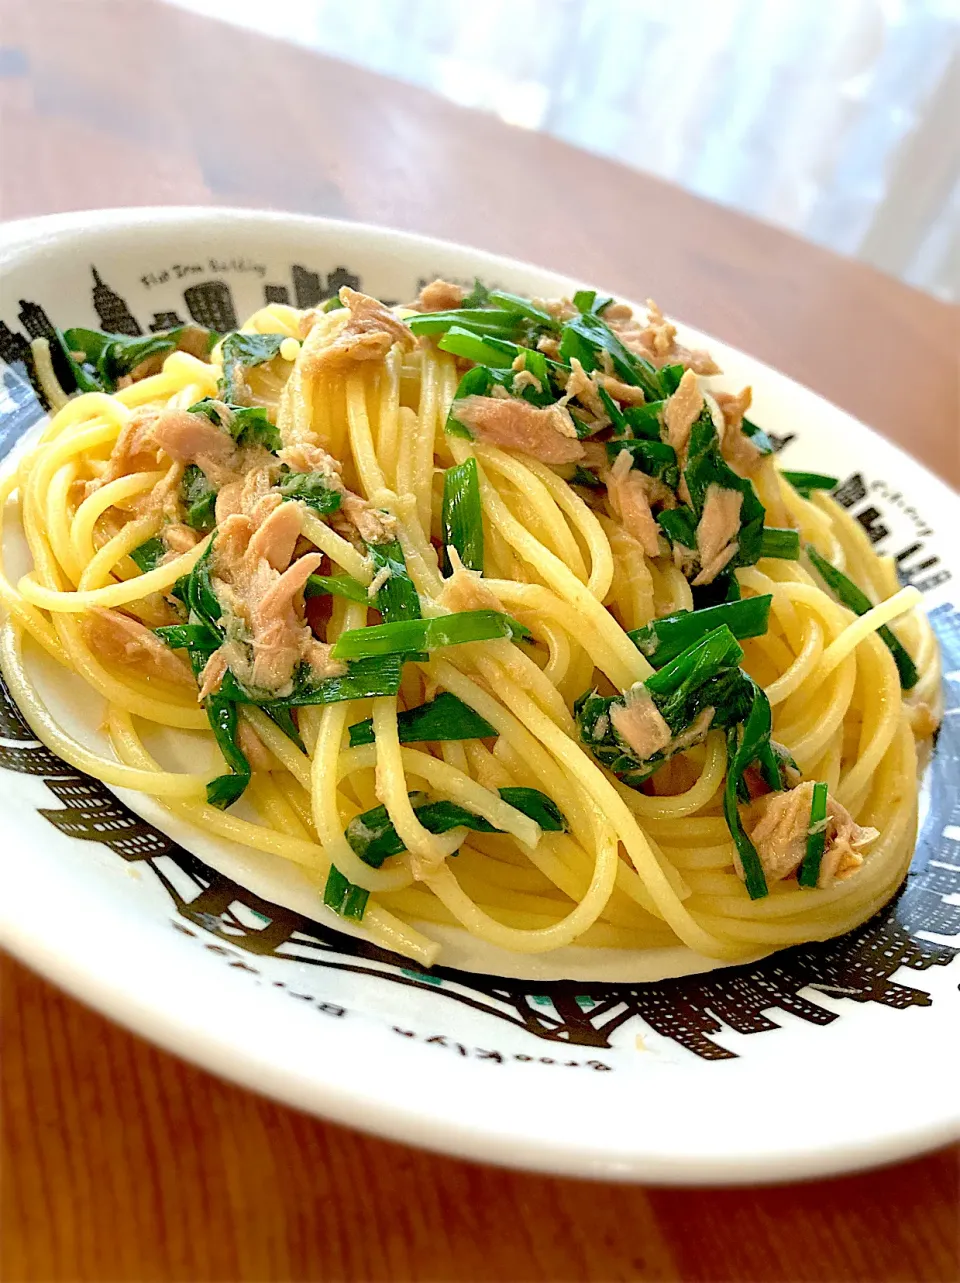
[[836, 119]]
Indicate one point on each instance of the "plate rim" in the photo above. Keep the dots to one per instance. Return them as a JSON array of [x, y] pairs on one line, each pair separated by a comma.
[[325, 1096]]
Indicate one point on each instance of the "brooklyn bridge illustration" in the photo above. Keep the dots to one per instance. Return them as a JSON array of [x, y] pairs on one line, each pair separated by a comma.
[[919, 930]]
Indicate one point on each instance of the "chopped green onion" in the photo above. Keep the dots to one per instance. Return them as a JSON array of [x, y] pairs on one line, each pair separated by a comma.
[[241, 352], [655, 458], [776, 541], [337, 586], [673, 685], [703, 677], [524, 307], [148, 555], [311, 488], [283, 717], [222, 716], [398, 599], [806, 482], [664, 639], [70, 372], [500, 322], [536, 806], [374, 838], [706, 467], [199, 498], [744, 743], [586, 336], [680, 526], [461, 520], [477, 296], [725, 588], [587, 301], [188, 637], [584, 477], [484, 350], [855, 599], [106, 358], [442, 719], [617, 418], [247, 424], [645, 420], [427, 634], [364, 679], [809, 874], [343, 897]]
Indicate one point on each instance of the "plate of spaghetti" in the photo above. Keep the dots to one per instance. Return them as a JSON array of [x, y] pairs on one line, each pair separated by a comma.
[[512, 675]]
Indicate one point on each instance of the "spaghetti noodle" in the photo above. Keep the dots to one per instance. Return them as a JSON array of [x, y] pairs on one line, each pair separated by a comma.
[[499, 613]]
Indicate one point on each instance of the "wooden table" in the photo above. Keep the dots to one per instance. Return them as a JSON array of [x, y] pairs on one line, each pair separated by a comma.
[[122, 1163]]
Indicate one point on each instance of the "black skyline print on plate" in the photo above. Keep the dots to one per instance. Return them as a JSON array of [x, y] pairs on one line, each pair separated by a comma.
[[912, 932]]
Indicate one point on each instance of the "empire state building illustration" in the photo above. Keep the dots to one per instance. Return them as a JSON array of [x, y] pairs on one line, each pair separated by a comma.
[[115, 316]]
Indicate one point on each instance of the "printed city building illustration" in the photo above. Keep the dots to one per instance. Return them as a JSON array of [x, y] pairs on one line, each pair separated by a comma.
[[113, 312], [211, 304]]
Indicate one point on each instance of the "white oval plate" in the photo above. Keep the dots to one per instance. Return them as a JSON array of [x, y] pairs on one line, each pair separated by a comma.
[[817, 1060]]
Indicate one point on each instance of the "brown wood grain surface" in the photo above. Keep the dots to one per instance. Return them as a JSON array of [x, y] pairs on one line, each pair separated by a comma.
[[120, 1162]]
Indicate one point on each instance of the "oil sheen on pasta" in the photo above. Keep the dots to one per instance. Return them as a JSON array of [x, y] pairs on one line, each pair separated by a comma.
[[500, 614]]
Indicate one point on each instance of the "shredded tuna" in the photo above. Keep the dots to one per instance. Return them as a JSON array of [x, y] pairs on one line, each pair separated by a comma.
[[178, 538], [778, 825], [583, 386], [190, 438], [594, 455], [356, 514], [845, 841], [735, 446], [680, 412], [657, 340], [440, 296], [215, 669], [465, 589], [383, 576], [561, 309], [369, 332], [135, 450], [717, 532], [261, 594], [524, 378], [322, 664], [617, 313], [547, 434], [549, 346], [119, 639], [276, 537], [304, 457], [229, 501], [695, 732], [373, 525], [640, 723], [630, 497], [625, 393]]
